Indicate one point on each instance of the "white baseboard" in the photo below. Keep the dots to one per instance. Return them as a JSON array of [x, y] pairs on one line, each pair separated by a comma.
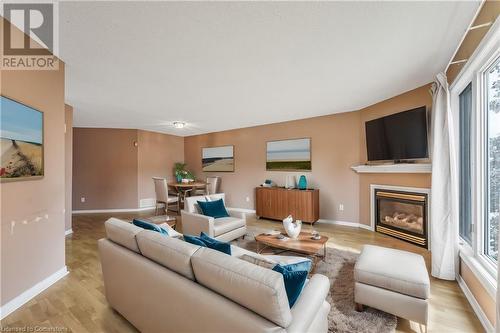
[[121, 210], [244, 210], [346, 224], [68, 232], [20, 300], [475, 306]]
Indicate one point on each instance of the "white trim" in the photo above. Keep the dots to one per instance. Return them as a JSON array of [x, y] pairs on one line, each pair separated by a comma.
[[125, 210], [394, 168], [488, 327], [345, 223], [120, 210], [68, 232], [147, 202], [27, 295], [243, 210], [487, 51], [403, 189]]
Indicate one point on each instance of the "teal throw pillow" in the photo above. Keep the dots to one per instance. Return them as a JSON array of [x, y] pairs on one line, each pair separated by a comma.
[[294, 282], [194, 240], [149, 226], [216, 244], [214, 209]]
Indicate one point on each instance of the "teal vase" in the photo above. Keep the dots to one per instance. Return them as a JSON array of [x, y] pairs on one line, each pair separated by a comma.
[[178, 178], [302, 183]]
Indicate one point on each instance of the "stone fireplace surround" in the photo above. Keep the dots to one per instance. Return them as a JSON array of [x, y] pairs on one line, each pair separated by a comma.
[[427, 191]]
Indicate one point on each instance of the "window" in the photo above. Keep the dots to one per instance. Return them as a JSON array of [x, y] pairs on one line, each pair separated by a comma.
[[475, 106], [465, 113], [492, 162]]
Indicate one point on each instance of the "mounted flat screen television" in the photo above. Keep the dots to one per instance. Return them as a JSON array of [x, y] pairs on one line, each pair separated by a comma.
[[397, 137]]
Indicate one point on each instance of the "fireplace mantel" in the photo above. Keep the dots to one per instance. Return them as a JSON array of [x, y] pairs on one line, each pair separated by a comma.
[[394, 168]]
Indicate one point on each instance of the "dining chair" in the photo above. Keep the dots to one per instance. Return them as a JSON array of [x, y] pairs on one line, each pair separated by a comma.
[[213, 185], [164, 197]]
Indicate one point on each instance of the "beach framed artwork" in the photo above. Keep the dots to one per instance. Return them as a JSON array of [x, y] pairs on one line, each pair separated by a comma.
[[289, 155], [217, 159], [21, 141]]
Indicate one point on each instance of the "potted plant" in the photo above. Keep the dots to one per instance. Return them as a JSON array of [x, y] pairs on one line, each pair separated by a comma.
[[181, 173]]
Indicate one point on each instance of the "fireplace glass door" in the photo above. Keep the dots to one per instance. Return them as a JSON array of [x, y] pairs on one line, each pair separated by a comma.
[[402, 215]]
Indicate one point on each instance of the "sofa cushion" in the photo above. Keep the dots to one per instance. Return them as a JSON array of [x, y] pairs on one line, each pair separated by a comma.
[[194, 240], [122, 233], [259, 289], [215, 244], [226, 224], [149, 226], [262, 262], [400, 271], [172, 253], [294, 282], [205, 241], [213, 209], [191, 203]]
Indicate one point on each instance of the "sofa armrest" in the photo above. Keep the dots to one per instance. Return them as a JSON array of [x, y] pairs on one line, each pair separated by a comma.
[[237, 213], [194, 224], [309, 303]]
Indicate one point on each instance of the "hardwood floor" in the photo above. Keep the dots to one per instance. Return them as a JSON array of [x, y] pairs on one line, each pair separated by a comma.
[[77, 302]]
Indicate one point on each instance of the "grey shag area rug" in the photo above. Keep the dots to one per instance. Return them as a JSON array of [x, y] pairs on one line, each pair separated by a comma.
[[343, 318]]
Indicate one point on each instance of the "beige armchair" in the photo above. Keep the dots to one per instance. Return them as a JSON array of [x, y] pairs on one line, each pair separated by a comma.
[[164, 197], [225, 228]]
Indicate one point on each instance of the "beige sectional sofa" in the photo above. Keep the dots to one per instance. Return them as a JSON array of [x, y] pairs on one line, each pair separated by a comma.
[[163, 284]]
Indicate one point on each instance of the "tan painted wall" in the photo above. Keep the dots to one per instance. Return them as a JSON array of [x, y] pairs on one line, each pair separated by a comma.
[[68, 164], [32, 252], [104, 168], [111, 173], [484, 299], [335, 147], [409, 100], [488, 13], [157, 154], [338, 142]]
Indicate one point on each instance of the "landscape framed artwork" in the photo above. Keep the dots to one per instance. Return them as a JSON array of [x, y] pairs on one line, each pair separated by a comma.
[[289, 155], [218, 159], [21, 141]]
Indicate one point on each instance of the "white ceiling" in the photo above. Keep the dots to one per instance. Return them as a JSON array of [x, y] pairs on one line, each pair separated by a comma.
[[224, 65]]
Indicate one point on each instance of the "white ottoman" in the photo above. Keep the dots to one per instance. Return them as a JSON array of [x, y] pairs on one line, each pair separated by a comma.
[[393, 281]]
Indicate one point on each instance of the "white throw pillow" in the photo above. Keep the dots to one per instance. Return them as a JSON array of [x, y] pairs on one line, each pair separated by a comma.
[[170, 230]]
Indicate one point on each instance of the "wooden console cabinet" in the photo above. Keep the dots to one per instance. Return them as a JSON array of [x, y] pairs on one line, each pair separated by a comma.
[[277, 203]]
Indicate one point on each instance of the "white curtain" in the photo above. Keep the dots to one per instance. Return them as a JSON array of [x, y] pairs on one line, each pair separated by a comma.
[[444, 191]]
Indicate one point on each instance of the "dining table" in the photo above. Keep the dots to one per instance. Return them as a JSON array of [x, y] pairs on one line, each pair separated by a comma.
[[185, 188]]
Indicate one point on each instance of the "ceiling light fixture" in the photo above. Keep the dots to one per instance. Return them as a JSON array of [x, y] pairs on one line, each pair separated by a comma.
[[179, 124]]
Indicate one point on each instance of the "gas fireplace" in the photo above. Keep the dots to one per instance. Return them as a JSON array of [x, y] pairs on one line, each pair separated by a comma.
[[402, 214]]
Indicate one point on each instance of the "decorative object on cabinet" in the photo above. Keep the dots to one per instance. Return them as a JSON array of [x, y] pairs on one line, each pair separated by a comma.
[[290, 181], [302, 183]]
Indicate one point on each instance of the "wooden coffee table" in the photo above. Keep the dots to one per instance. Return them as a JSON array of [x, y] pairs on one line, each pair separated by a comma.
[[160, 219], [304, 244]]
